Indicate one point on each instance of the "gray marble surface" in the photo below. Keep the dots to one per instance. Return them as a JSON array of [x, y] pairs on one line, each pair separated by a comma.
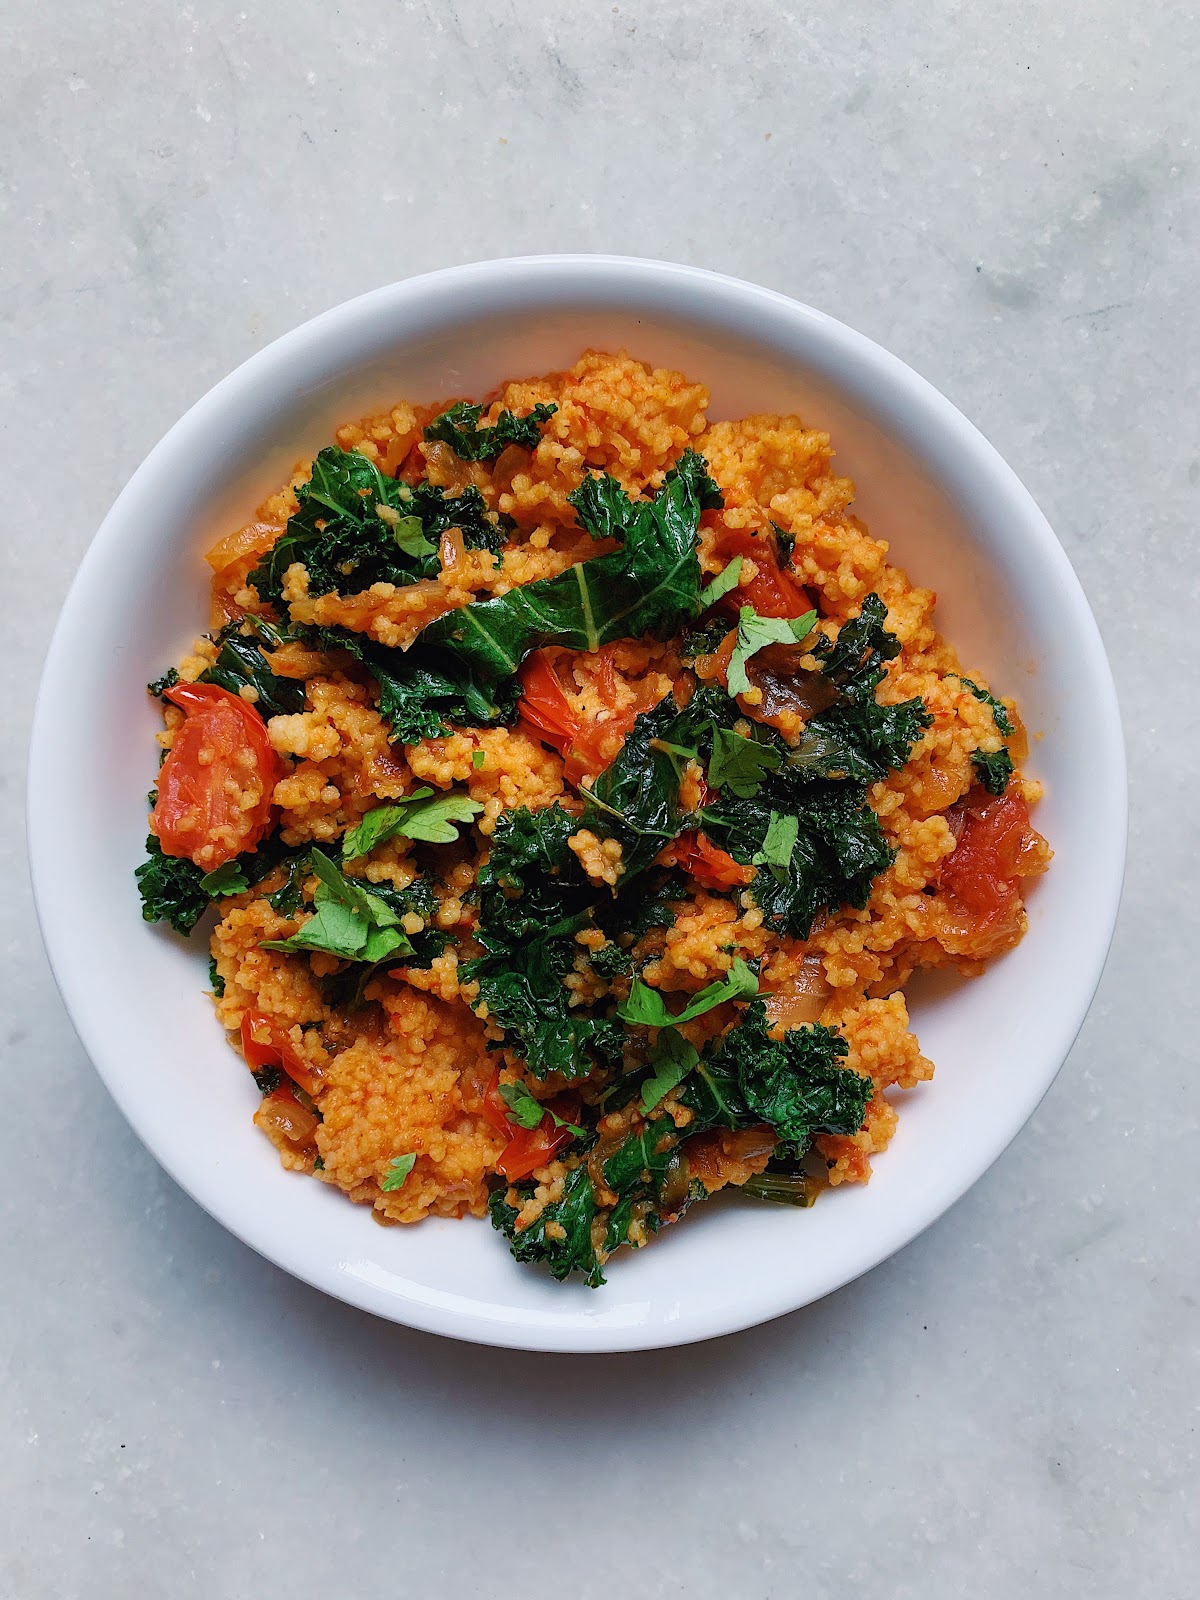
[[1007, 197]]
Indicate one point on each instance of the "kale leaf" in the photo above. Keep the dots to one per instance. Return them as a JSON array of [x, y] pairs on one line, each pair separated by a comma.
[[794, 1083], [993, 768], [168, 680], [859, 739], [570, 1248], [650, 586], [1000, 716], [240, 661], [636, 799], [459, 428], [838, 853], [422, 695], [748, 1077], [355, 526], [170, 889]]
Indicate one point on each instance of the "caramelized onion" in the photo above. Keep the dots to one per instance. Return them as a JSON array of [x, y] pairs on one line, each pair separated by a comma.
[[802, 999]]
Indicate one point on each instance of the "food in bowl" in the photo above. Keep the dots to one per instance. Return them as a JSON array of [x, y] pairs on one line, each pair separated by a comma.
[[578, 787]]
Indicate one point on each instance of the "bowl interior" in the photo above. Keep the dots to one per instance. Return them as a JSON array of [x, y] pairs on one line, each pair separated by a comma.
[[956, 519]]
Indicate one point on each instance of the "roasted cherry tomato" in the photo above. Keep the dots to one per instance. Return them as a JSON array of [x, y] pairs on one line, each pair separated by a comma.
[[708, 863], [215, 786], [993, 837], [528, 1148], [265, 1044], [773, 592]]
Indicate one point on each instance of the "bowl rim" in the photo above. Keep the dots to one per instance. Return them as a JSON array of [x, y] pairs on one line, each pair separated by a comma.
[[851, 357]]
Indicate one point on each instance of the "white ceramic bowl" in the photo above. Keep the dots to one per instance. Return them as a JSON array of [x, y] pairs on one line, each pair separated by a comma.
[[956, 517]]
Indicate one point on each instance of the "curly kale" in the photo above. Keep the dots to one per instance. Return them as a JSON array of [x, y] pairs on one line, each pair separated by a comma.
[[240, 662], [170, 889], [355, 526], [534, 899], [649, 586], [422, 694], [459, 428], [993, 768], [795, 1084], [168, 680]]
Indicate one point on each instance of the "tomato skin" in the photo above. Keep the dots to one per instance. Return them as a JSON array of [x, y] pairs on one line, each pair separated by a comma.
[[528, 1148], [265, 1044], [772, 591], [221, 751], [709, 864], [545, 707], [544, 704], [983, 870]]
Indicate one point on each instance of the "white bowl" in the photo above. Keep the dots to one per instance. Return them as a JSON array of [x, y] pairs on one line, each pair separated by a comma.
[[956, 517]]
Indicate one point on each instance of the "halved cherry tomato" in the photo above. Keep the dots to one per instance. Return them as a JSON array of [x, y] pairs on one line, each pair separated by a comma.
[[708, 863], [215, 786], [528, 1148], [993, 836], [545, 707], [772, 591], [265, 1044]]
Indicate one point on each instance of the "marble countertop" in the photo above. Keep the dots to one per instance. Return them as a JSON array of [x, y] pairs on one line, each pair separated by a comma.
[[1005, 197]]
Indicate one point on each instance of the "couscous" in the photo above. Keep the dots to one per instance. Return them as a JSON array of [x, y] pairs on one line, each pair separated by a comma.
[[577, 786]]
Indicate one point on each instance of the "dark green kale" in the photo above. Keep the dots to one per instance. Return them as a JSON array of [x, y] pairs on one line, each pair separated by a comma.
[[703, 641], [240, 661], [573, 1213], [855, 737], [860, 739], [459, 428], [174, 890], [170, 889], [268, 1079], [215, 981], [422, 694], [635, 800], [534, 899], [650, 586], [1000, 716], [838, 853], [785, 543], [855, 660], [160, 685], [795, 1083], [355, 526], [610, 961], [993, 768]]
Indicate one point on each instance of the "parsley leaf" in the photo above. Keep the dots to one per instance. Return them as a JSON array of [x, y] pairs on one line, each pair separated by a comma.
[[348, 922], [459, 428], [673, 1059], [740, 764], [422, 815], [398, 1170], [651, 585], [720, 586], [755, 633], [647, 1006], [779, 842], [527, 1112]]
